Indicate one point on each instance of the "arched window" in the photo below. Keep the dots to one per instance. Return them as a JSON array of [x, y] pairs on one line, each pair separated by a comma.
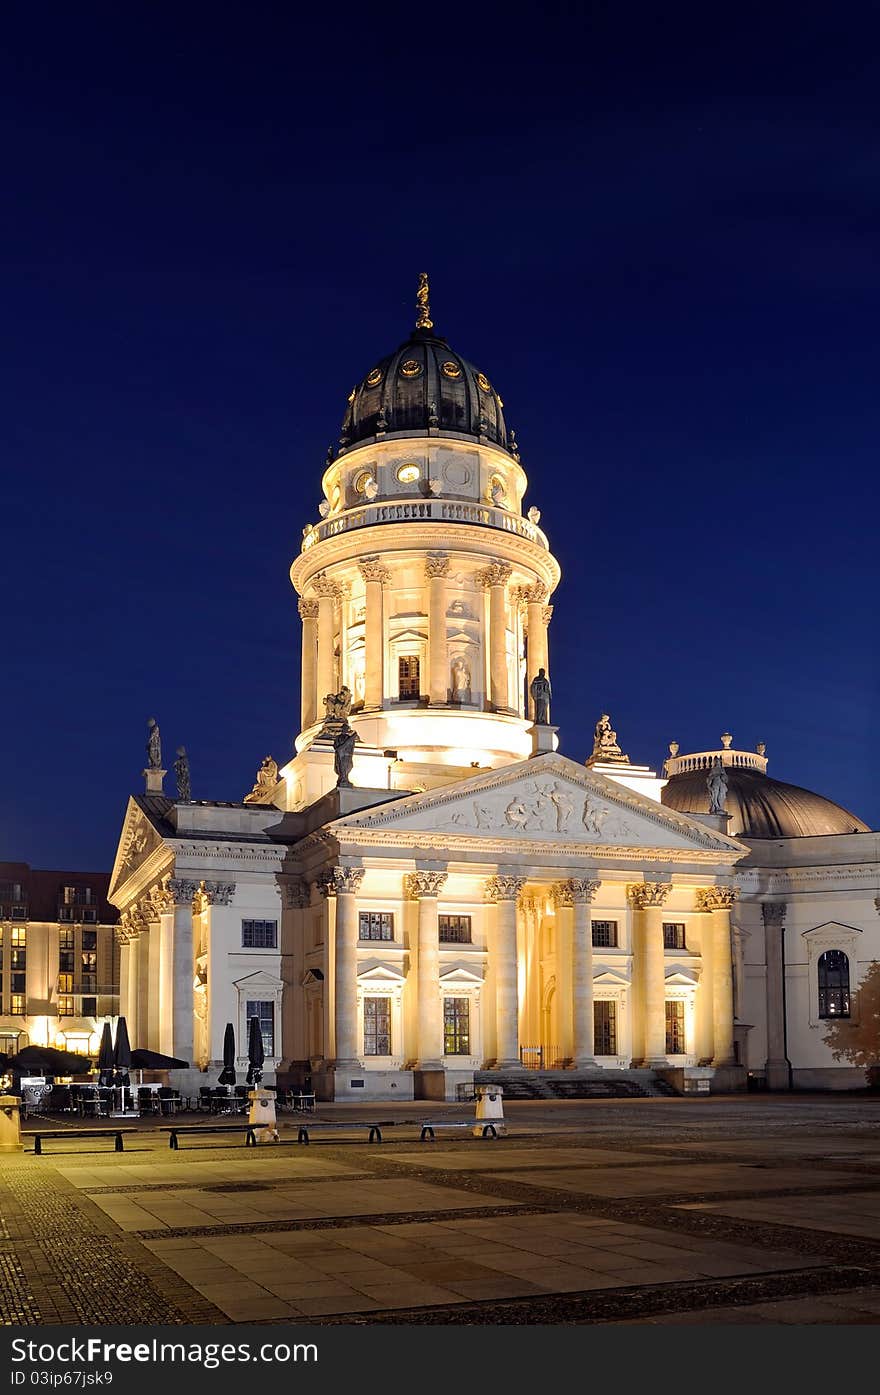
[[833, 984]]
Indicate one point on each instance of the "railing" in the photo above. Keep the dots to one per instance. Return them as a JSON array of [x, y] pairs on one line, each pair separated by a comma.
[[424, 511], [539, 1057], [704, 760]]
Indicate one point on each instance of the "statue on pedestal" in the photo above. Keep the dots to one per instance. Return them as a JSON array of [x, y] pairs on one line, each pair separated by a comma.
[[717, 787], [267, 779], [605, 747], [541, 693], [181, 772], [344, 743], [154, 745]]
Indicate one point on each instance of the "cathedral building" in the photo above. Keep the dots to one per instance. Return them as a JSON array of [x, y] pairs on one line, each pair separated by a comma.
[[430, 887]]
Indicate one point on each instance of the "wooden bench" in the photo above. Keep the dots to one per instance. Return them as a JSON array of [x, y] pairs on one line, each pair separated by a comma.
[[116, 1134], [302, 1133], [489, 1130], [249, 1131]]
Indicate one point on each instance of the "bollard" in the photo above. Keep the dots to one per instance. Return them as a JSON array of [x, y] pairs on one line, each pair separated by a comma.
[[10, 1124], [490, 1109]]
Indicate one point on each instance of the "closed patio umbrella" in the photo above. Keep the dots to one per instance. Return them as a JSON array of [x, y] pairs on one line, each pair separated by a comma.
[[256, 1054], [122, 1053], [154, 1060], [105, 1056], [227, 1075]]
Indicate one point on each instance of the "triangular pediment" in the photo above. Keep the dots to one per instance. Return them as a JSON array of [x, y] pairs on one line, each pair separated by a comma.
[[137, 842], [548, 799], [682, 975], [612, 977], [830, 927], [380, 972], [460, 974], [258, 981]]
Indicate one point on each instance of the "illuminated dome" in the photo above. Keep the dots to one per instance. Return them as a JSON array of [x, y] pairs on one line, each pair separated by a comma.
[[425, 386], [759, 806]]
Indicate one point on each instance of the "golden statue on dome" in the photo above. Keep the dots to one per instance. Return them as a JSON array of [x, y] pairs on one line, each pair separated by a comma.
[[423, 319]]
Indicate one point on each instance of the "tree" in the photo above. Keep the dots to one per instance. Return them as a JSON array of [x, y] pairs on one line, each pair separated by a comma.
[[859, 1042]]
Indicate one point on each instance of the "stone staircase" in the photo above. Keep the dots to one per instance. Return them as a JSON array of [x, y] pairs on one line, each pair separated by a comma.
[[575, 1084]]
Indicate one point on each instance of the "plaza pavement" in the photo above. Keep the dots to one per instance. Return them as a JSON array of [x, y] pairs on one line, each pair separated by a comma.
[[749, 1209]]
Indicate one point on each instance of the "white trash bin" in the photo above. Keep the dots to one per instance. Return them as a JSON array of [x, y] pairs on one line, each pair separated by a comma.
[[262, 1113], [490, 1109]]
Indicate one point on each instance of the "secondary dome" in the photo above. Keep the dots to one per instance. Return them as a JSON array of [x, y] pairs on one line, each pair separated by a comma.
[[760, 807], [425, 386]]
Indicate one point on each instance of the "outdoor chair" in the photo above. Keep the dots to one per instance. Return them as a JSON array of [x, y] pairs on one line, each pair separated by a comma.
[[61, 1100], [204, 1100], [89, 1102], [169, 1100], [147, 1102]]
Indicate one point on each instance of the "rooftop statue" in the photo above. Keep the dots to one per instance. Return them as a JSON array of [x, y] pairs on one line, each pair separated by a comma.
[[605, 747], [267, 779], [154, 745], [717, 787], [343, 754], [181, 772], [541, 693], [337, 706]]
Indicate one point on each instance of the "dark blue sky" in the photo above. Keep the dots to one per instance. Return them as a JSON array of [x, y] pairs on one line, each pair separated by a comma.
[[655, 228]]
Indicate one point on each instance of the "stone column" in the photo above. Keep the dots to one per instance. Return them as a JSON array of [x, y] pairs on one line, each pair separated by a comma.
[[181, 894], [425, 887], [717, 900], [579, 894], [563, 901], [436, 572], [344, 883], [504, 890], [326, 592], [536, 649], [778, 1066], [308, 610], [143, 989], [496, 577], [375, 575], [647, 899]]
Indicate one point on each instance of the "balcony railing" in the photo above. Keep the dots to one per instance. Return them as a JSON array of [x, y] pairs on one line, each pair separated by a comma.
[[704, 760], [425, 511]]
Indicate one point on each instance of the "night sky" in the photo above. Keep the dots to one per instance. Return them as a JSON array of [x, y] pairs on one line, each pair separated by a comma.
[[654, 227]]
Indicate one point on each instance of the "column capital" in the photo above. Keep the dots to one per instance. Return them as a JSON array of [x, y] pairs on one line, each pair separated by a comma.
[[374, 569], [773, 914], [340, 881], [504, 887], [535, 594], [548, 614], [436, 564], [716, 898], [308, 608], [181, 890], [419, 885], [496, 574], [575, 891], [297, 892], [323, 586], [214, 894], [643, 896]]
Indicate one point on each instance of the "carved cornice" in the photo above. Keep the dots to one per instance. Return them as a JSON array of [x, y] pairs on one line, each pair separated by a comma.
[[504, 887], [716, 898], [642, 896], [308, 608], [773, 914], [421, 884], [496, 574], [374, 569], [436, 564], [575, 891], [339, 881]]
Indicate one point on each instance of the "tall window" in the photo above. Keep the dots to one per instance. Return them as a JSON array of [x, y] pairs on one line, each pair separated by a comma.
[[673, 936], [89, 980], [604, 1029], [65, 1006], [833, 984], [454, 930], [605, 934], [65, 983], [16, 1005], [89, 1007], [259, 934], [265, 1011], [376, 925], [456, 1026], [408, 685], [675, 1029], [377, 1026]]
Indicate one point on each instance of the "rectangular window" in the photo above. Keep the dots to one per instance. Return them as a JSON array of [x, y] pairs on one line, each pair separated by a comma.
[[455, 930], [89, 1007], [65, 1007], [65, 939], [605, 934], [66, 960], [90, 914], [408, 683], [19, 983], [376, 925], [265, 1011], [377, 1026], [605, 1028], [673, 936], [675, 1029], [10, 891], [16, 1005], [65, 983], [90, 939], [259, 934], [19, 912], [19, 937], [457, 1026]]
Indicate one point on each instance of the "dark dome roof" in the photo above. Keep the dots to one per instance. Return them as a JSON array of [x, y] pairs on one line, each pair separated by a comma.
[[761, 807], [425, 384]]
